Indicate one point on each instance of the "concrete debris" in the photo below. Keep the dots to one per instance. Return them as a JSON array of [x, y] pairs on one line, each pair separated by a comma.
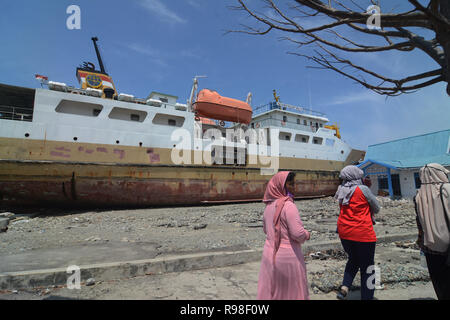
[[318, 255], [20, 220], [7, 215], [4, 224], [90, 282]]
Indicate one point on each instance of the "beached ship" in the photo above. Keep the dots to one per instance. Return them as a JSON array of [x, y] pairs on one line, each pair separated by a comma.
[[95, 146]]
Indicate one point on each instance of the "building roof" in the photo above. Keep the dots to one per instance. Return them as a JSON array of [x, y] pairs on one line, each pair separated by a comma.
[[412, 152]]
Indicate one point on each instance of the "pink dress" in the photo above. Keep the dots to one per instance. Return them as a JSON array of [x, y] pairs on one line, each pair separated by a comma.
[[289, 279]]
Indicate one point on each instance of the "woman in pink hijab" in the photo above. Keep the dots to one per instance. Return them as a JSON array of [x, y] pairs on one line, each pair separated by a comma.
[[283, 271]]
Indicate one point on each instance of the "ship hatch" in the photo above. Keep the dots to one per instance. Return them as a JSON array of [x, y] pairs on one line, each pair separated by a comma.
[[16, 103]]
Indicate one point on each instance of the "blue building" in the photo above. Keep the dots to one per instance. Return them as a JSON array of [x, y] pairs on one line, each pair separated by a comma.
[[394, 166]]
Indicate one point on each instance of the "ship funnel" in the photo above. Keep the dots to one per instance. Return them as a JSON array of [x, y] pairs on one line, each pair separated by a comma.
[[88, 77]]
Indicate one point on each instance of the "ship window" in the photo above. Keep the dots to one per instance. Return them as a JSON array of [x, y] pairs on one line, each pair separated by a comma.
[[16, 103], [127, 114], [298, 121], [317, 140], [96, 112], [284, 119], [78, 108], [301, 138], [134, 117], [168, 120], [164, 100], [285, 136], [321, 125], [329, 142], [305, 122]]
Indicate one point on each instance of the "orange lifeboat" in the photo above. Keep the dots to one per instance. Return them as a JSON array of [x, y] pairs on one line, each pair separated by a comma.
[[212, 105]]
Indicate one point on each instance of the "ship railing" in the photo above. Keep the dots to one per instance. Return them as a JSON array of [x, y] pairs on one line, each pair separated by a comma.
[[287, 107], [16, 113], [129, 99], [285, 124]]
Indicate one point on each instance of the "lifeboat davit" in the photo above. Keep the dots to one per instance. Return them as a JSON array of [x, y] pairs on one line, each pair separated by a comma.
[[212, 105]]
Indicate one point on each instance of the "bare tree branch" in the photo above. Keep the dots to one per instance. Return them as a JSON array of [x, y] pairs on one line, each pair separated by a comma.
[[394, 32], [395, 89]]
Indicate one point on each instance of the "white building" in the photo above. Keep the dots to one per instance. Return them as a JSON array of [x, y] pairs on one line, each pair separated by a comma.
[[394, 166]]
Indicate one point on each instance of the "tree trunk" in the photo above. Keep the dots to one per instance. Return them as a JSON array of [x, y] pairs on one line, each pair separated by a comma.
[[443, 36]]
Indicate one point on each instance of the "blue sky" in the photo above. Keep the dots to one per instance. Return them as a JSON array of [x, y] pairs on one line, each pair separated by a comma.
[[156, 45]]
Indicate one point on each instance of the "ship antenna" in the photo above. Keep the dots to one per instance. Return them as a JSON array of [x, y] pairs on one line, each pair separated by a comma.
[[99, 57]]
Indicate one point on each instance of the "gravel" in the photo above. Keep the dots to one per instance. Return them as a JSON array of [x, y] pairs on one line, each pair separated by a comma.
[[178, 229]]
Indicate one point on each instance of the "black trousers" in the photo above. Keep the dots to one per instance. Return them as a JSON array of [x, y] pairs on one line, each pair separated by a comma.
[[439, 274], [360, 258]]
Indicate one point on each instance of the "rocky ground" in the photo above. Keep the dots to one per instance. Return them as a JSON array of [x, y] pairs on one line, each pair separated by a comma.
[[205, 228], [178, 229]]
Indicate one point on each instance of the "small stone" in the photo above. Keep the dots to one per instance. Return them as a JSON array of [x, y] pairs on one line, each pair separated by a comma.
[[200, 226], [90, 282]]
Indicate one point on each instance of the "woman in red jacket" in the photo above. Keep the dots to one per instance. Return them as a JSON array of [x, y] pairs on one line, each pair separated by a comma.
[[355, 228]]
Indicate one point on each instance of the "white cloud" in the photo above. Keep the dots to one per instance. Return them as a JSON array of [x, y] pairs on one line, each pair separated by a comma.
[[144, 50], [160, 9], [363, 96], [194, 3]]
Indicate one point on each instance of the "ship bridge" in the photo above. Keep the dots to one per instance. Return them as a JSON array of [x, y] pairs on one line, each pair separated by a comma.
[[289, 116]]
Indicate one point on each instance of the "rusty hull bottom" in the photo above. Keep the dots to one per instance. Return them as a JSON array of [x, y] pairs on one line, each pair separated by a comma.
[[96, 185]]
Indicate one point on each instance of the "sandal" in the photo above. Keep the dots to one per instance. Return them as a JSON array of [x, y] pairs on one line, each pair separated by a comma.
[[342, 294]]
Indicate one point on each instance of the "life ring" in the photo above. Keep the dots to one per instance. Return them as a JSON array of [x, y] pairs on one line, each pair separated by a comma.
[[222, 123]]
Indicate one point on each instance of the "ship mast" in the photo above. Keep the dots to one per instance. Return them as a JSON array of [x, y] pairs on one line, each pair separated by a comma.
[[99, 57]]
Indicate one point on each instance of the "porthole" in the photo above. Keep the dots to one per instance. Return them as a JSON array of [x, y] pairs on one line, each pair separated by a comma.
[[75, 138], [140, 144], [117, 141], [27, 135]]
